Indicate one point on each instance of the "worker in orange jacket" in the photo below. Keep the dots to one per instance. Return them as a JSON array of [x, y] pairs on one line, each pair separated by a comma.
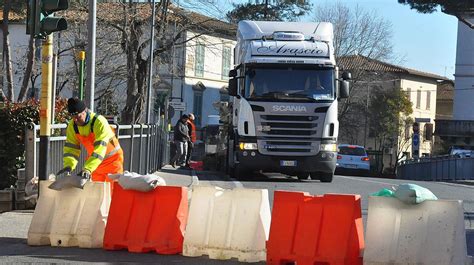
[[93, 132], [192, 138]]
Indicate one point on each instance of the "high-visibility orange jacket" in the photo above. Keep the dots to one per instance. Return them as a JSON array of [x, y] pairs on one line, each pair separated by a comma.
[[192, 131], [104, 154]]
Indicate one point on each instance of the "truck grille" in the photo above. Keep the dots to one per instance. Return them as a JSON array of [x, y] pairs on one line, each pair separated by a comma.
[[288, 134]]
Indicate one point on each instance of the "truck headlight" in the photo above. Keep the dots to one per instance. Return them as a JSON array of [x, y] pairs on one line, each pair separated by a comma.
[[248, 146], [328, 147]]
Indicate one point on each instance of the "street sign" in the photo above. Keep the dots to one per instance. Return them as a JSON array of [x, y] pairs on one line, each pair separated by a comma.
[[425, 120], [415, 145], [177, 105], [416, 140]]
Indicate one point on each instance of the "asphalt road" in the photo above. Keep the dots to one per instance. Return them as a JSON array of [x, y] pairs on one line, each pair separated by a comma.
[[14, 225]]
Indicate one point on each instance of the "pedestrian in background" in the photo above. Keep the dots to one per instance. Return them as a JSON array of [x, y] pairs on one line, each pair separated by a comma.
[[192, 138], [181, 138]]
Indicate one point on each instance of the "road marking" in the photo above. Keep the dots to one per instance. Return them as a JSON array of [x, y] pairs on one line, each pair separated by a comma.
[[456, 185], [195, 179], [373, 181]]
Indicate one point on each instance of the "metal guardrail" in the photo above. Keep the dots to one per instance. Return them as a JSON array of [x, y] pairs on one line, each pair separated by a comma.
[[440, 168], [133, 140]]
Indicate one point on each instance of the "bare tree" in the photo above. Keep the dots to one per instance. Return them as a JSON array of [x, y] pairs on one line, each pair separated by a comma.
[[357, 31], [6, 50], [29, 68]]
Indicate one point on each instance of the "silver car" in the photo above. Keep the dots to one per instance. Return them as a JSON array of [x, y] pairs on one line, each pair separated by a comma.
[[352, 158]]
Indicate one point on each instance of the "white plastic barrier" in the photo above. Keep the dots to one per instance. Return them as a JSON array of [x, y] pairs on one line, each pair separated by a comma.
[[71, 217], [429, 233], [228, 224]]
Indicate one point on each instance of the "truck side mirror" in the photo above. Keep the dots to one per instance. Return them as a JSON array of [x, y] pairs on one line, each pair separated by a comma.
[[232, 86], [344, 89], [346, 76], [232, 73]]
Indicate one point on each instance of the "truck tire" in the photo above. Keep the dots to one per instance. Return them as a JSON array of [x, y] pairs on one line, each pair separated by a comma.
[[303, 176], [237, 173], [326, 177], [322, 176]]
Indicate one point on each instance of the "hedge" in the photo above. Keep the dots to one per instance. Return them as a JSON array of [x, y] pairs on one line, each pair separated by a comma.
[[13, 119]]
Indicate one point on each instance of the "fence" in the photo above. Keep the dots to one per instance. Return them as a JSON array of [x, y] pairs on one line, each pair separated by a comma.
[[133, 140], [446, 168]]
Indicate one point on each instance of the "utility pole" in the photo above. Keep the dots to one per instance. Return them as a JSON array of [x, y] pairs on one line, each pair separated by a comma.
[[150, 82], [46, 105], [91, 36]]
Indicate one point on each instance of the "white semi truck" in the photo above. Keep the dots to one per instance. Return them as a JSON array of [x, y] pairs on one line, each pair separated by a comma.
[[285, 86]]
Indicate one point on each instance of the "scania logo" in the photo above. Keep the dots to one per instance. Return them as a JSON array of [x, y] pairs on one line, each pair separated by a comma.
[[288, 108]]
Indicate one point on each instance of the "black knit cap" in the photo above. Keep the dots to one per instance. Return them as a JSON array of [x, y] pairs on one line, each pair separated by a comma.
[[185, 116], [75, 106]]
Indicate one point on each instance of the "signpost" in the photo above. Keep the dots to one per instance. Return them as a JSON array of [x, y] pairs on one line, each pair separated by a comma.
[[178, 105], [415, 144]]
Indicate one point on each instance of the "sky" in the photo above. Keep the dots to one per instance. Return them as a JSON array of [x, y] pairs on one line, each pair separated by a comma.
[[425, 42]]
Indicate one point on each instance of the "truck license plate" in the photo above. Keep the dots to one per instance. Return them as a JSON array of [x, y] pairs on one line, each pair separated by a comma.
[[288, 163]]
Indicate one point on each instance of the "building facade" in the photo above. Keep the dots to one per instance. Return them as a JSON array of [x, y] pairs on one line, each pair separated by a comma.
[[420, 88], [193, 71]]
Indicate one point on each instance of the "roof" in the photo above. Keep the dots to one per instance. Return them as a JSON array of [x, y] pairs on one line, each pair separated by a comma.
[[113, 12], [13, 17], [360, 62]]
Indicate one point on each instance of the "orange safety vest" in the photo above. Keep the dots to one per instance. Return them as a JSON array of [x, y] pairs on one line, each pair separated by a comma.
[[113, 160], [193, 131]]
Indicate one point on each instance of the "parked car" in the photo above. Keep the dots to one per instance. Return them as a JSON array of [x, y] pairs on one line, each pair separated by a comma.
[[352, 159], [461, 152]]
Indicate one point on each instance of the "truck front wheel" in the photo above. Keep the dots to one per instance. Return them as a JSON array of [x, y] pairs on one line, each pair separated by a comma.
[[326, 177], [302, 176], [322, 176], [237, 172]]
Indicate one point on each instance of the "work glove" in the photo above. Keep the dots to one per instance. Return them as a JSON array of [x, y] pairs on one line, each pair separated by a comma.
[[69, 181], [85, 174], [82, 178], [66, 171]]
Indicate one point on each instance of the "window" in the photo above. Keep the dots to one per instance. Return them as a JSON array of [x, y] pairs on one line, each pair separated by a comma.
[[225, 63], [199, 63], [418, 99], [428, 100], [198, 90], [409, 93]]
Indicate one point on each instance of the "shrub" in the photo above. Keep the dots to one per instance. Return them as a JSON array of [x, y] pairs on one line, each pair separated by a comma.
[[14, 117]]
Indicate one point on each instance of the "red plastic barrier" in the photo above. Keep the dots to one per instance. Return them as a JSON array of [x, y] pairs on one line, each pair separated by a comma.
[[315, 230], [147, 221], [196, 165]]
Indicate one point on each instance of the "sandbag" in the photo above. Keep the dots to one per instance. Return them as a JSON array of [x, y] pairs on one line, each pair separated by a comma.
[[413, 194], [135, 181]]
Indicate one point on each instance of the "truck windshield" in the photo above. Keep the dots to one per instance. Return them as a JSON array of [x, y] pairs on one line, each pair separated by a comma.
[[289, 83]]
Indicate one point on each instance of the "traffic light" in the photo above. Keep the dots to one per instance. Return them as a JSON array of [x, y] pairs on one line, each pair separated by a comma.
[[40, 21]]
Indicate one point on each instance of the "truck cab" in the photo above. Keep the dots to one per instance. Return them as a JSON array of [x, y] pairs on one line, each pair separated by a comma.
[[285, 88]]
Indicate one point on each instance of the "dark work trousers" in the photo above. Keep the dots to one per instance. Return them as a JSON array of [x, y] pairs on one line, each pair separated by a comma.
[[190, 152]]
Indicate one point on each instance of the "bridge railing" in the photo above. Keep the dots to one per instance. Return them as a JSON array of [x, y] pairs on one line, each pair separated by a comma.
[[133, 139], [439, 168]]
